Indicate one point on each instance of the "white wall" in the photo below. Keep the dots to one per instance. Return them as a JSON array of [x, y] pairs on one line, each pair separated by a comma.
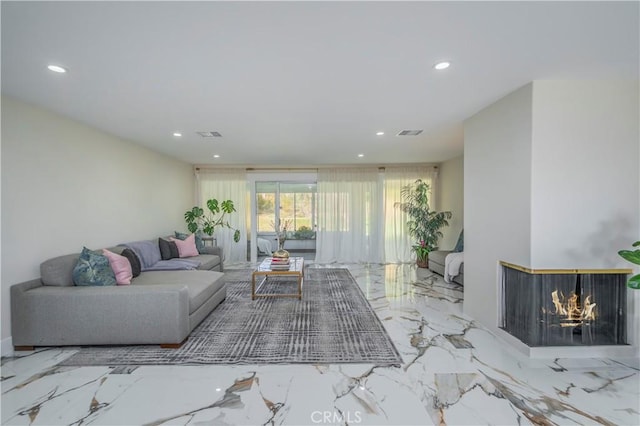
[[65, 185], [585, 173], [586, 144], [551, 181], [497, 204], [451, 198]]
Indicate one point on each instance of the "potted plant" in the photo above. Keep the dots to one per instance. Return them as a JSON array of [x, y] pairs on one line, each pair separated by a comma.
[[424, 224], [304, 233], [633, 257], [199, 220]]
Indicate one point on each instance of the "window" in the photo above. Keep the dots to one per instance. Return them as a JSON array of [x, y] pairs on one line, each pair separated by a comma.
[[266, 204], [284, 201]]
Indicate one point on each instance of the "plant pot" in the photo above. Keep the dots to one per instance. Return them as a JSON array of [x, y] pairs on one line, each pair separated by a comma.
[[422, 263], [283, 254]]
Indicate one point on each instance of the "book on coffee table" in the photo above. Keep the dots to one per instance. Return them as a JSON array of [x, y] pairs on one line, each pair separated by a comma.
[[280, 264], [280, 267]]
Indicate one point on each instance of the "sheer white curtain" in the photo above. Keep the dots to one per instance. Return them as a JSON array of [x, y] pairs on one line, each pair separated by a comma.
[[349, 216], [397, 242], [226, 184]]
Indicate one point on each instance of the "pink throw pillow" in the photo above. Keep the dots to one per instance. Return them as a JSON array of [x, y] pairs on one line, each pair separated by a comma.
[[121, 267], [186, 247]]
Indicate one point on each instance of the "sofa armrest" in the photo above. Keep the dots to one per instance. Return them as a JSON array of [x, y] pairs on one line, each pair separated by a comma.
[[215, 250], [143, 314]]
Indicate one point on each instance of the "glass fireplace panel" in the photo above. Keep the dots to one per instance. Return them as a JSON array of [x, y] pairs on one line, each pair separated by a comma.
[[564, 309]]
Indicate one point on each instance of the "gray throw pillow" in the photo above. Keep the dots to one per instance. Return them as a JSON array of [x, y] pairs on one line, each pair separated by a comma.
[[168, 249], [136, 268], [93, 269]]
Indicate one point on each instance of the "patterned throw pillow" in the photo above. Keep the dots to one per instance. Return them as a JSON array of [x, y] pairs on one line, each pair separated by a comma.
[[459, 248], [93, 269], [199, 241], [136, 268]]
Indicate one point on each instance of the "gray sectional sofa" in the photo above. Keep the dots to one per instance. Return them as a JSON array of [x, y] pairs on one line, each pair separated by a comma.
[[158, 307]]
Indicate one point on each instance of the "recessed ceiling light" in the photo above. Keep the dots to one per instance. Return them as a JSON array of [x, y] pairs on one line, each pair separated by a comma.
[[409, 133], [360, 155], [56, 68], [379, 133], [216, 156], [177, 134], [210, 134], [442, 65]]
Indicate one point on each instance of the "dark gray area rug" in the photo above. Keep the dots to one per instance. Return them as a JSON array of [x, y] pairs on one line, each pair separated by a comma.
[[332, 324]]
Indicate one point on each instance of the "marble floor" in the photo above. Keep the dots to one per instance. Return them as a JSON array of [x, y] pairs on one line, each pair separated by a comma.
[[454, 372]]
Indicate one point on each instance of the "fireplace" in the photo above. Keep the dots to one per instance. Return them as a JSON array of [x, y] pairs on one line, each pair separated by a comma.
[[564, 307]]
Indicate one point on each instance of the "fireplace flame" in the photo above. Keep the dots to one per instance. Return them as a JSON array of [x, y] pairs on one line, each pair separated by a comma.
[[569, 308]]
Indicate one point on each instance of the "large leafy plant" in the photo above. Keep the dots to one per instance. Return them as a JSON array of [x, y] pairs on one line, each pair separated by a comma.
[[632, 256], [424, 224], [199, 220]]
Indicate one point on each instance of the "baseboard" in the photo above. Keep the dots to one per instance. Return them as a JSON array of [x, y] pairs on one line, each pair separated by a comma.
[[576, 352], [6, 347]]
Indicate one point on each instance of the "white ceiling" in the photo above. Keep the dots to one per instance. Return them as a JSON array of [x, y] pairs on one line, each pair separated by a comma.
[[291, 83]]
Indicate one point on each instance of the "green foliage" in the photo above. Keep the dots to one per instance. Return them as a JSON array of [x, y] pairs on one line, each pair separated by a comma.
[[632, 256], [198, 219], [265, 204], [304, 233], [424, 224], [422, 252]]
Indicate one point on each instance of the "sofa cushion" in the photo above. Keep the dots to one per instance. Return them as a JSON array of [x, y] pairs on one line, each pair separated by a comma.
[[116, 249], [200, 284], [133, 260], [93, 269], [207, 261], [58, 271], [438, 256], [168, 249]]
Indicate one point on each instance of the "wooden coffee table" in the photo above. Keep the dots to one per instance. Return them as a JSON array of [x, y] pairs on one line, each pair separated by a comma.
[[296, 270]]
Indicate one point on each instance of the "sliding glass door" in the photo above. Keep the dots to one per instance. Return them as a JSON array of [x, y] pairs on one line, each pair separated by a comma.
[[292, 204]]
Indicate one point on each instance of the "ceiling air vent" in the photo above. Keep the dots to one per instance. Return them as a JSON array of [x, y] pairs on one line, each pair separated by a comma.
[[209, 134], [409, 133]]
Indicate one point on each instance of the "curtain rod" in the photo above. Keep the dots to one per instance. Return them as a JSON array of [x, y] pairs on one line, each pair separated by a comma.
[[314, 168]]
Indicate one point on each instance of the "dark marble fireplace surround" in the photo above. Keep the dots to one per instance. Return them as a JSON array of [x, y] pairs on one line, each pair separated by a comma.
[[564, 307]]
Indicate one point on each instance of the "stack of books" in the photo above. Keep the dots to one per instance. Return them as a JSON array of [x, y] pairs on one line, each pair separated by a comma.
[[280, 264]]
